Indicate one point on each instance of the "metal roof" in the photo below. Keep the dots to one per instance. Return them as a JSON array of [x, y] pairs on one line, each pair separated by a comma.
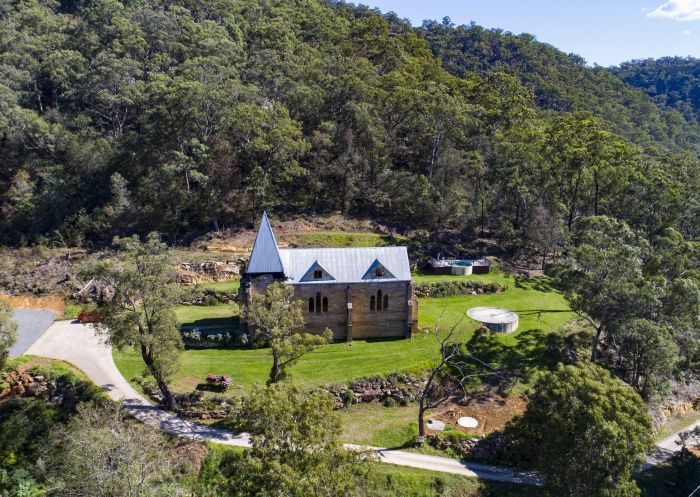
[[265, 257], [346, 265]]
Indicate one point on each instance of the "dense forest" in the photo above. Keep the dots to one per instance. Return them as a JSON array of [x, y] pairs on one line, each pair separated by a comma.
[[671, 81], [186, 116]]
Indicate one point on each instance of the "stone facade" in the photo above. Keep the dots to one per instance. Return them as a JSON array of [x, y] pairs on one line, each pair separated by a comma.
[[356, 292], [348, 312]]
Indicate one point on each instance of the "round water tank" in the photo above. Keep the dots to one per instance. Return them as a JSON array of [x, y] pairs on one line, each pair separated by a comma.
[[495, 318]]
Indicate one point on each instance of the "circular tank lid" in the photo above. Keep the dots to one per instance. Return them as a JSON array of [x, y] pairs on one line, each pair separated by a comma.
[[467, 422], [492, 315]]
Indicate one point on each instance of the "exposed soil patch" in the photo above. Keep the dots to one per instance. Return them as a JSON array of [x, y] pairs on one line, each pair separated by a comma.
[[492, 412], [55, 303]]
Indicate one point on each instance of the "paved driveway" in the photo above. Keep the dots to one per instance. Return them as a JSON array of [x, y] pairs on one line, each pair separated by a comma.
[[78, 344], [32, 324]]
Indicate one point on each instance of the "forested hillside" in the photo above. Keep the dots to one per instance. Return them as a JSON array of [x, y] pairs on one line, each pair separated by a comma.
[[190, 116], [562, 82], [671, 81]]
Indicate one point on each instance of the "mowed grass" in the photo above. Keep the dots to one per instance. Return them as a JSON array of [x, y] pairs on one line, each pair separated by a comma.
[[231, 285], [538, 305], [374, 424], [540, 308], [225, 315]]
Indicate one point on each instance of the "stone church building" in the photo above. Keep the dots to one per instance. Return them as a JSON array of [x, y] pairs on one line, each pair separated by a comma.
[[359, 293]]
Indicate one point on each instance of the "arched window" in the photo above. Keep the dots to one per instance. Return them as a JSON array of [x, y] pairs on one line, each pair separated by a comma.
[[371, 303], [379, 300], [386, 302], [318, 302], [325, 304], [311, 305]]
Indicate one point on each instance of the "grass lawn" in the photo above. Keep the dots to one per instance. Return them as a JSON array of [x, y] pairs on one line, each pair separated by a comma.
[[54, 367], [541, 310], [231, 285], [539, 307], [374, 424], [399, 481], [224, 315]]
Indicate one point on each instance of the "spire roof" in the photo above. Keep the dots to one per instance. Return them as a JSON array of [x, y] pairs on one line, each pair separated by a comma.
[[265, 257]]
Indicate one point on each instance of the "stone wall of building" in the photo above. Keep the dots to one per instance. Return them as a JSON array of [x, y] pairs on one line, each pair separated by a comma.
[[398, 320]]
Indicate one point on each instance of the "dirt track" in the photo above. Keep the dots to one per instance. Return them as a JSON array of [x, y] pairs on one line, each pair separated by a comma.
[[53, 303]]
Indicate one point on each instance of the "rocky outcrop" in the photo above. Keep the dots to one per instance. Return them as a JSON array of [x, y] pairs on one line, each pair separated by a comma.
[[495, 447], [208, 296], [190, 273], [397, 388]]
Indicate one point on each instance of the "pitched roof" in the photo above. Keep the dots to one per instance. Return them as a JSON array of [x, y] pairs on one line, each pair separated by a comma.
[[346, 265], [265, 257]]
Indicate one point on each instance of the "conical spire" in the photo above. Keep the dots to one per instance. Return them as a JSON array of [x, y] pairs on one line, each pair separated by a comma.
[[265, 257]]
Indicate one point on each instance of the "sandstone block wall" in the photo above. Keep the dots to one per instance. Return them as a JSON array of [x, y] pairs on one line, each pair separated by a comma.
[[358, 321]]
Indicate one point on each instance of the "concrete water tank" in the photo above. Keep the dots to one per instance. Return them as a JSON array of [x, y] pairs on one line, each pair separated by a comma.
[[495, 318]]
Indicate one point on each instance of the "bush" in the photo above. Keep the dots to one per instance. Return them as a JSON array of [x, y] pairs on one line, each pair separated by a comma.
[[196, 338], [453, 288]]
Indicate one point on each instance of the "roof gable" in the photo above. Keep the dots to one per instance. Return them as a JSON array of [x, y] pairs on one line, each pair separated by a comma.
[[377, 271], [311, 276], [265, 257]]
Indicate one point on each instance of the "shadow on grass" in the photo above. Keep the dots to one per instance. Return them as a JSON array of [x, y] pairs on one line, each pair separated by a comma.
[[537, 284], [534, 350], [227, 322]]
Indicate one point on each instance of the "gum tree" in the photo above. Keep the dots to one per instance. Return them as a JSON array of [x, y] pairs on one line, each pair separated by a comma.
[[141, 314], [275, 319]]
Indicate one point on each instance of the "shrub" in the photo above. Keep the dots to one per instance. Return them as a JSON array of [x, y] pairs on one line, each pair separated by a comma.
[[453, 288]]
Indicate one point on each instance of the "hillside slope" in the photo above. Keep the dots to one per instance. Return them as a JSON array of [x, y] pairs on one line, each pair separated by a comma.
[[563, 82], [670, 81], [186, 116]]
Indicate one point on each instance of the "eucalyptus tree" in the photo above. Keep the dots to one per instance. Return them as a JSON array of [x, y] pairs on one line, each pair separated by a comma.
[[296, 448], [603, 275], [276, 320], [141, 277], [585, 432]]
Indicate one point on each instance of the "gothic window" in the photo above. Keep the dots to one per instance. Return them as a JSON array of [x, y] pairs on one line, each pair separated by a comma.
[[379, 300], [318, 274], [371, 303], [311, 305], [325, 304], [379, 272], [386, 302], [318, 302]]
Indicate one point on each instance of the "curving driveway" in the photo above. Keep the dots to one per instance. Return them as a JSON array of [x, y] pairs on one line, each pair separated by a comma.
[[31, 324], [79, 345]]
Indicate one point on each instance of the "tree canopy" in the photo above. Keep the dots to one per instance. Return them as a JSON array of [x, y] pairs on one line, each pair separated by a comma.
[[585, 432], [186, 117]]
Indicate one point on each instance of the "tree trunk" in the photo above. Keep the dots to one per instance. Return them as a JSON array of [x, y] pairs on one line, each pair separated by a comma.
[[170, 403], [168, 396], [596, 341], [574, 200], [276, 370], [421, 417]]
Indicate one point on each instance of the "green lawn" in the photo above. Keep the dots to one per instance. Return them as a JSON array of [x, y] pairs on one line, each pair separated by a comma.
[[539, 307], [224, 315], [374, 424], [536, 302], [231, 285]]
